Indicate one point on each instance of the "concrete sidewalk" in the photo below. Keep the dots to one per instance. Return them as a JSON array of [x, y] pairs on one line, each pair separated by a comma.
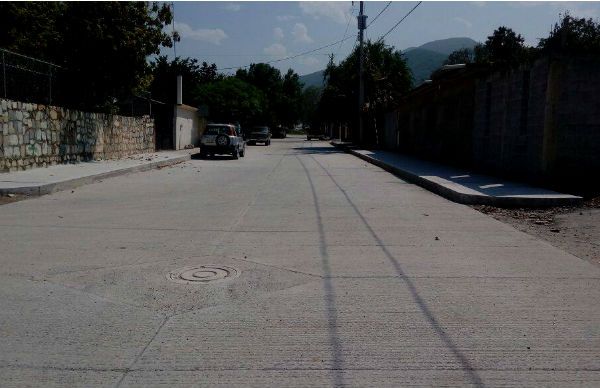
[[460, 185], [39, 181]]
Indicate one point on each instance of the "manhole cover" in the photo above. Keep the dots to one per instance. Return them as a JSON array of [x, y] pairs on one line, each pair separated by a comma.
[[202, 274]]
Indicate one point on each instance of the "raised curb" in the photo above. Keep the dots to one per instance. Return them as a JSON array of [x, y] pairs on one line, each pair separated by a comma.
[[53, 187], [464, 198]]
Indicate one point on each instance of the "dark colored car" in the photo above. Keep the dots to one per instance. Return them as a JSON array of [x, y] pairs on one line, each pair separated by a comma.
[[259, 134], [280, 132], [315, 133]]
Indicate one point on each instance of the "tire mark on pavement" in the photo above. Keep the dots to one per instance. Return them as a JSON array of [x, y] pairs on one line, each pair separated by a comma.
[[337, 368], [474, 378]]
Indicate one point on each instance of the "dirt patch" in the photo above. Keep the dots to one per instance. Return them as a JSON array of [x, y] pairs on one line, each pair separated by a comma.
[[573, 229], [4, 199]]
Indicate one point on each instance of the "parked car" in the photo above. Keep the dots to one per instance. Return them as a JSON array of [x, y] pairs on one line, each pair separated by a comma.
[[259, 134], [315, 133], [222, 139], [280, 131]]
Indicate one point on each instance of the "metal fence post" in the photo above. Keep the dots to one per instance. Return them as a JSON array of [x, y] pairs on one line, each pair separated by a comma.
[[4, 73], [50, 84]]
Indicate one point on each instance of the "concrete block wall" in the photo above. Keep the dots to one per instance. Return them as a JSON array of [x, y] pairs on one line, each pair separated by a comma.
[[35, 135]]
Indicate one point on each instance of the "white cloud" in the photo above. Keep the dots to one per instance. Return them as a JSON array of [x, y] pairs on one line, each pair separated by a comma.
[[232, 7], [276, 50], [278, 33], [214, 36], [300, 33], [285, 18], [464, 22], [338, 12]]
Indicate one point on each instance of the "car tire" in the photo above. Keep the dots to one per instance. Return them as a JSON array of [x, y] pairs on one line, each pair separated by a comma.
[[222, 140]]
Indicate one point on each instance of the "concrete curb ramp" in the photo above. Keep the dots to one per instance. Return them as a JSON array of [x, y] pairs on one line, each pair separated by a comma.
[[462, 187], [35, 189]]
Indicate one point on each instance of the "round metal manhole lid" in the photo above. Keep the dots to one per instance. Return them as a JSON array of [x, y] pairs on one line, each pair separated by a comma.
[[202, 274]]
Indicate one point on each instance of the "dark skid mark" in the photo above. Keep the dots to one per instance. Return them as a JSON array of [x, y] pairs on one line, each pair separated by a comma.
[[329, 294], [466, 365]]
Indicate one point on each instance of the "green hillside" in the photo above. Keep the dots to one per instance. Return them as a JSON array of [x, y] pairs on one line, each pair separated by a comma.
[[422, 60]]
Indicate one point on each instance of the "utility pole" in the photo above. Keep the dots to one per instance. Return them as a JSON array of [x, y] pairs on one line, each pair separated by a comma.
[[362, 25], [173, 34]]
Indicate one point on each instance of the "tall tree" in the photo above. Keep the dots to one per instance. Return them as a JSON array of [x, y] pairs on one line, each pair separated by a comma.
[[572, 36], [103, 46], [503, 47], [387, 79], [231, 99], [164, 78], [463, 55]]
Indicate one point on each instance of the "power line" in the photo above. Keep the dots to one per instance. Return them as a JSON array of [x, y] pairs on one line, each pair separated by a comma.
[[291, 56], [400, 21], [380, 12], [346, 31]]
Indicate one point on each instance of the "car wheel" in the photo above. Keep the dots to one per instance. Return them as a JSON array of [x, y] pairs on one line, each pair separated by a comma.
[[222, 140]]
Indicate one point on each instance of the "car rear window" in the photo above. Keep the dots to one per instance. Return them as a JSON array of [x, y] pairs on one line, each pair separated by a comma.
[[260, 129], [217, 130]]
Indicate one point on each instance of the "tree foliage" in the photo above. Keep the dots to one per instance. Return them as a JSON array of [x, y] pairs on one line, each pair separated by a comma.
[[164, 78], [231, 99], [572, 36], [463, 55], [386, 78], [103, 46], [503, 47]]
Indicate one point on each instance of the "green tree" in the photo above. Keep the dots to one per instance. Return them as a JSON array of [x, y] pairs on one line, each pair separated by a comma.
[[572, 36], [463, 55], [231, 99], [164, 78], [284, 93], [503, 47], [102, 45], [387, 79]]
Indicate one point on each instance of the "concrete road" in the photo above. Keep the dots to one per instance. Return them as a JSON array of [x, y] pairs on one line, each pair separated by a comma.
[[346, 276]]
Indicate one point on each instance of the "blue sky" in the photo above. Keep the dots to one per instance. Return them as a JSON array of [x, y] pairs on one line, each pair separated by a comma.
[[238, 33]]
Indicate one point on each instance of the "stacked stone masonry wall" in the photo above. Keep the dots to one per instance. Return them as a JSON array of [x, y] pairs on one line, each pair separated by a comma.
[[34, 135]]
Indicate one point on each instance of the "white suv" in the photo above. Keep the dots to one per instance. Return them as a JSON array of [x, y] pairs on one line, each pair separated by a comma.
[[222, 139]]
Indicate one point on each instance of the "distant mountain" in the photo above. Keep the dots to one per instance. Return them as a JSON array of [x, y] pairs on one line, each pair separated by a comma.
[[425, 59], [422, 63], [422, 60], [312, 79], [447, 46]]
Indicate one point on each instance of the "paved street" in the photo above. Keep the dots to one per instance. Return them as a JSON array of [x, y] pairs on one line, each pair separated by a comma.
[[346, 276]]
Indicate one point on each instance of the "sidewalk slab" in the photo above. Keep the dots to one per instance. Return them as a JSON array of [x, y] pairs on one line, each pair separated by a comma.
[[460, 185], [40, 181]]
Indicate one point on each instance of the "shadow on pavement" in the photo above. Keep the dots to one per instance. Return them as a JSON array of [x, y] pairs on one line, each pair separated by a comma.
[[330, 307], [474, 378]]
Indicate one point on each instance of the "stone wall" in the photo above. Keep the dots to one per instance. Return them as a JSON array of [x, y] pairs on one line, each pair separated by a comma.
[[34, 135]]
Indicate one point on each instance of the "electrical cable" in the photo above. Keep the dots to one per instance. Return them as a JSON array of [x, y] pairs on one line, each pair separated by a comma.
[[400, 21], [379, 14], [289, 57]]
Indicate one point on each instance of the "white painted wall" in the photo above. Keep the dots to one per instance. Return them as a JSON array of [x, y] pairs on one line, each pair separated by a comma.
[[186, 127]]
